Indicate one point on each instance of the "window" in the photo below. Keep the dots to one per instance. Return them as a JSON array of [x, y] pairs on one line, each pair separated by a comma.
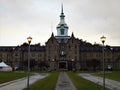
[[69, 47], [75, 46], [1, 55], [75, 51], [62, 31], [33, 54], [16, 54], [52, 41]]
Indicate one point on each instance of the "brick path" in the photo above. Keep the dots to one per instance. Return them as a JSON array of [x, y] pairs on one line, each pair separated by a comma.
[[64, 83]]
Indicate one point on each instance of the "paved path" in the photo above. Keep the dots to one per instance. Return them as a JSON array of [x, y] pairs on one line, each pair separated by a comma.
[[20, 84], [111, 84], [64, 83]]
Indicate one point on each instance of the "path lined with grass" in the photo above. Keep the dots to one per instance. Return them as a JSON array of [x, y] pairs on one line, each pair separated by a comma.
[[111, 84], [9, 76], [64, 83], [114, 75], [54, 80], [48, 83], [83, 84], [20, 84]]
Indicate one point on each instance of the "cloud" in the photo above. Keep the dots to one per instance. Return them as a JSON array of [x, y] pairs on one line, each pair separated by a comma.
[[97, 17], [86, 18]]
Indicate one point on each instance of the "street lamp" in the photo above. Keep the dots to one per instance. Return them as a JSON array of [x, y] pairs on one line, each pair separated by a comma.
[[103, 41], [29, 41], [53, 64], [73, 64]]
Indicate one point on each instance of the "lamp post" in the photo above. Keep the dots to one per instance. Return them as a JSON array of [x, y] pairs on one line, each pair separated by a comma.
[[103, 41], [73, 64], [53, 63], [29, 41]]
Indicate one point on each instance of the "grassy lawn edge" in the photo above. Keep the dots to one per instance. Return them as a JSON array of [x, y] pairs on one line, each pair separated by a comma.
[[10, 76], [47, 83], [113, 75], [83, 84]]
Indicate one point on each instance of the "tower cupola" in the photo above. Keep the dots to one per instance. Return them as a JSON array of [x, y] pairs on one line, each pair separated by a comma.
[[62, 28]]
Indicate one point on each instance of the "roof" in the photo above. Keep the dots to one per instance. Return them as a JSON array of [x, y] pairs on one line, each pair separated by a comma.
[[90, 48], [62, 38], [33, 48], [7, 48]]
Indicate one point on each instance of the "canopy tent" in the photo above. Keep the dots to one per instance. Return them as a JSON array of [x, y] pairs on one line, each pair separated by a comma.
[[5, 67]]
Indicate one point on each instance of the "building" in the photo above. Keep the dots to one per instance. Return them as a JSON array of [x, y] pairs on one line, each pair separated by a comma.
[[62, 52]]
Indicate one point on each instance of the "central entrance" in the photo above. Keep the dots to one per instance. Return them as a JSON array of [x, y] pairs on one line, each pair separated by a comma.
[[62, 65]]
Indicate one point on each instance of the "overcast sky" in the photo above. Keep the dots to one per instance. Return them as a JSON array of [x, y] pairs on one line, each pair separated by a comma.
[[88, 19]]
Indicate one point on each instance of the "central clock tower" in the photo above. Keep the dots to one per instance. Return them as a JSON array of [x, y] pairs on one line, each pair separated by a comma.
[[62, 28]]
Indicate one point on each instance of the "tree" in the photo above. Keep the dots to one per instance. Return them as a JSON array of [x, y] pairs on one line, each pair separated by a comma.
[[24, 44]]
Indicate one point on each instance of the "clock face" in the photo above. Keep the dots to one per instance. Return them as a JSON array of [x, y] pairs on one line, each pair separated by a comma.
[[62, 31]]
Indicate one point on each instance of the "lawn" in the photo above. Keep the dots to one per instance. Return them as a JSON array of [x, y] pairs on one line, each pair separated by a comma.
[[8, 76], [83, 84], [48, 83], [114, 75]]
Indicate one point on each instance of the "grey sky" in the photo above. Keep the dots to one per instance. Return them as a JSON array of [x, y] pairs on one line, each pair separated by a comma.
[[88, 19]]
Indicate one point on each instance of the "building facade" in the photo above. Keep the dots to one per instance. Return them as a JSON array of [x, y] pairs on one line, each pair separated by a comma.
[[62, 52]]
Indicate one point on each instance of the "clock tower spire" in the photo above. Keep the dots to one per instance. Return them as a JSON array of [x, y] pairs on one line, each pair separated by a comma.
[[62, 28]]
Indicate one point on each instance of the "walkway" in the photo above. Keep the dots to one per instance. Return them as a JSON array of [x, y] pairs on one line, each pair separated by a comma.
[[20, 84], [64, 83], [111, 84]]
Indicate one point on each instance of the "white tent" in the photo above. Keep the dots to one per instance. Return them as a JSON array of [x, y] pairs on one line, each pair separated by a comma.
[[5, 67]]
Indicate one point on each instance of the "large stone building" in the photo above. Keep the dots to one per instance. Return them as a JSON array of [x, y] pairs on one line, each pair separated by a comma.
[[62, 52]]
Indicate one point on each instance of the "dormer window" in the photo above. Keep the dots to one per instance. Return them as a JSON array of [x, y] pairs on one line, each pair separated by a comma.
[[62, 31]]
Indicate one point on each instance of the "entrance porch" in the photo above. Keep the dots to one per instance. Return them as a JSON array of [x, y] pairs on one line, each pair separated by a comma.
[[62, 65]]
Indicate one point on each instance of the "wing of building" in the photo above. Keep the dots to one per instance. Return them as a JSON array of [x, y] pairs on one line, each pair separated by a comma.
[[62, 52]]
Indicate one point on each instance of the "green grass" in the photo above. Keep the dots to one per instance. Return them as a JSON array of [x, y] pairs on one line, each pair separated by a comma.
[[8, 76], [114, 75], [83, 84], [48, 83]]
